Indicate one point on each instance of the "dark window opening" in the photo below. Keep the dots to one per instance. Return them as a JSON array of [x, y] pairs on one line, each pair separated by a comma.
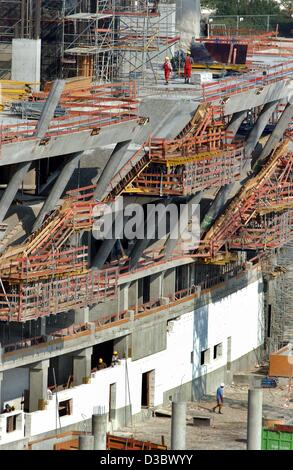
[[65, 408], [11, 424], [204, 357], [218, 350], [102, 351]]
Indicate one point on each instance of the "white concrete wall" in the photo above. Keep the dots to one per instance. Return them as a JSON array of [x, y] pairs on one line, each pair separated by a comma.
[[26, 61], [5, 437], [239, 316]]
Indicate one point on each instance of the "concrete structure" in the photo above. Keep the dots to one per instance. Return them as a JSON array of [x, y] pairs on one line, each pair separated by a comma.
[[26, 61], [178, 425], [254, 420]]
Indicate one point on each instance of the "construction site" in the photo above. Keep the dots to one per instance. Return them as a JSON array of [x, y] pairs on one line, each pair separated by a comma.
[[104, 336]]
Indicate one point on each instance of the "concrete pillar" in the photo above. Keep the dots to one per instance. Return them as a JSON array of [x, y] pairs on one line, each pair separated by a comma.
[[229, 191], [133, 295], [259, 127], [235, 124], [38, 385], [123, 297], [12, 188], [169, 282], [1, 385], [86, 442], [178, 426], [123, 346], [188, 14], [58, 188], [49, 109], [82, 364], [156, 286], [111, 169], [183, 220], [99, 430], [26, 61], [277, 133], [82, 315], [43, 322], [254, 419]]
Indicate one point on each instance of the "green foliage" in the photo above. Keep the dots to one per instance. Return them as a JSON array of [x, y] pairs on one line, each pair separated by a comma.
[[244, 7]]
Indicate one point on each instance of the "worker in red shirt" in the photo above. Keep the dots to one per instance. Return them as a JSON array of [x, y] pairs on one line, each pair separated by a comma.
[[188, 67], [168, 70]]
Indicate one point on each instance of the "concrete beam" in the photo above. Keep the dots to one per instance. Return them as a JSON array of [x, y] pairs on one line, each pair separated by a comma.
[[82, 362], [12, 188], [50, 108], [58, 189], [111, 169], [38, 385]]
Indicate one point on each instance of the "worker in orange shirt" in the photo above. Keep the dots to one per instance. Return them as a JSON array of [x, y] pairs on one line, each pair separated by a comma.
[[167, 70], [188, 67]]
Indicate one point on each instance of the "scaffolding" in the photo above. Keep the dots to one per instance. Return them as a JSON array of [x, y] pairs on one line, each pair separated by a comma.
[[261, 216], [116, 40]]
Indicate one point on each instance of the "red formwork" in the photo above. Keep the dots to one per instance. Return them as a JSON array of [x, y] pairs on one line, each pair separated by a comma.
[[260, 216]]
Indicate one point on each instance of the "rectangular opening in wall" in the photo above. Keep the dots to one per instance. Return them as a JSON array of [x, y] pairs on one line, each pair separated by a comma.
[[112, 402], [218, 350], [229, 352], [11, 424], [65, 408], [205, 357], [148, 388]]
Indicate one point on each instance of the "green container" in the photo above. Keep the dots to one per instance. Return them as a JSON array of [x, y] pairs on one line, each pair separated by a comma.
[[277, 440]]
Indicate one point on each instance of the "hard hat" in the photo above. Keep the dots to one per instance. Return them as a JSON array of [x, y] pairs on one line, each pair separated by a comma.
[[115, 353], [167, 58], [188, 53], [100, 361], [222, 385]]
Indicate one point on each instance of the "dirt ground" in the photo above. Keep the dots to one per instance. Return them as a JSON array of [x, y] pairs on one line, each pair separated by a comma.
[[228, 431]]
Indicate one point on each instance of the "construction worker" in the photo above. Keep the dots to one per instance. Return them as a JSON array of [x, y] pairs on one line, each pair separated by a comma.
[[115, 359], [220, 398], [188, 67], [167, 70], [102, 364]]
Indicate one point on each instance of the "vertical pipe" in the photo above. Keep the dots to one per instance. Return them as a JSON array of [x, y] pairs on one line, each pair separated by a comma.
[[254, 419], [99, 429], [178, 425]]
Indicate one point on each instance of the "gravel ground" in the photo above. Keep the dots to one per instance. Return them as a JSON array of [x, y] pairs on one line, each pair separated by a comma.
[[228, 431]]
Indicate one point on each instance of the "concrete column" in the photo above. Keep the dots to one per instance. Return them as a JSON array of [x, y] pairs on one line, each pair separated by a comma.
[[43, 326], [86, 442], [58, 188], [82, 362], [38, 385], [259, 127], [169, 282], [183, 220], [235, 124], [277, 133], [82, 315], [123, 297], [133, 295], [111, 169], [1, 385], [49, 109], [99, 430], [178, 426], [12, 188], [229, 191], [254, 419], [156, 286], [123, 346]]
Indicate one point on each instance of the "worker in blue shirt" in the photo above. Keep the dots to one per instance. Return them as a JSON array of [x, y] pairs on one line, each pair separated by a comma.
[[220, 398]]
